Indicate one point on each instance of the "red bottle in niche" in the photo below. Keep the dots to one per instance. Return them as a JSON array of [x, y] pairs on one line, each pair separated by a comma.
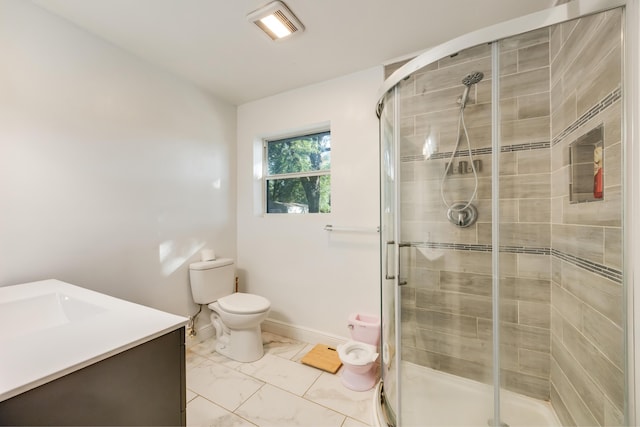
[[597, 173]]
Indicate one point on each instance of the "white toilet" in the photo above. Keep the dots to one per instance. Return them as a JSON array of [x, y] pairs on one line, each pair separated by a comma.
[[236, 316], [359, 356]]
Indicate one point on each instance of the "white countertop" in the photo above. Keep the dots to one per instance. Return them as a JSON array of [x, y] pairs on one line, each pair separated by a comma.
[[51, 328]]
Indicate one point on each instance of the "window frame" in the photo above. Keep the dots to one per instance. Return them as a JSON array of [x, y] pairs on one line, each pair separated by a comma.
[[291, 175]]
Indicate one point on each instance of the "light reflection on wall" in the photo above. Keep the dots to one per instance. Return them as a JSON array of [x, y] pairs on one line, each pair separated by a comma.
[[172, 255]]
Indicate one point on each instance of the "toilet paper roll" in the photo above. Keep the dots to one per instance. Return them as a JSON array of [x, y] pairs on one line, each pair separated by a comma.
[[207, 255]]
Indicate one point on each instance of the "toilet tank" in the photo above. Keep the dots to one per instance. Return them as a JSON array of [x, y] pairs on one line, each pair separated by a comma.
[[364, 328], [211, 280]]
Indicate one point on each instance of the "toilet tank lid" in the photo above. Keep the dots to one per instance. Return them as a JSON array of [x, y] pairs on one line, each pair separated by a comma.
[[207, 265]]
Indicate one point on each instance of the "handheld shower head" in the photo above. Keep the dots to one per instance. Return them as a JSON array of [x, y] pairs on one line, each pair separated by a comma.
[[473, 78], [468, 81]]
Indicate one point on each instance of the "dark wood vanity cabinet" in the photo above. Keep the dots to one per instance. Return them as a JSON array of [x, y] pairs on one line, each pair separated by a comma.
[[144, 385]]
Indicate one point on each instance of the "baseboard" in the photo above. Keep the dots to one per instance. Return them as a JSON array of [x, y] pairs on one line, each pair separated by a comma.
[[277, 327], [301, 333], [205, 332]]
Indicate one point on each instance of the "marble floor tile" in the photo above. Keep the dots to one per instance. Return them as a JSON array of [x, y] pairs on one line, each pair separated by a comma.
[[350, 422], [207, 349], [329, 391], [201, 412], [286, 374], [221, 385], [306, 349], [193, 359], [191, 395], [281, 346], [271, 406], [223, 392]]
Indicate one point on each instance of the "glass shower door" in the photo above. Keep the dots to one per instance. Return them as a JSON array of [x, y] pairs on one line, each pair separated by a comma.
[[389, 253]]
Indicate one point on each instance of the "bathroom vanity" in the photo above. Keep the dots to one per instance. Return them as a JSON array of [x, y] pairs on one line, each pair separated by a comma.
[[71, 356]]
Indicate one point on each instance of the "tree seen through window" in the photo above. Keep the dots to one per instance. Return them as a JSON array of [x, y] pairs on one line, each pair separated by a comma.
[[298, 174]]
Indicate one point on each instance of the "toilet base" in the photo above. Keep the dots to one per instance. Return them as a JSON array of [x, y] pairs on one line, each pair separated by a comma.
[[359, 382], [243, 345]]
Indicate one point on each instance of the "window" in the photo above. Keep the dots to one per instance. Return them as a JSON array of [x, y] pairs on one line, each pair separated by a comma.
[[298, 174]]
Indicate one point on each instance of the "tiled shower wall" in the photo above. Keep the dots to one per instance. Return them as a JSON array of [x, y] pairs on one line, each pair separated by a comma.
[[447, 308], [587, 339], [561, 309]]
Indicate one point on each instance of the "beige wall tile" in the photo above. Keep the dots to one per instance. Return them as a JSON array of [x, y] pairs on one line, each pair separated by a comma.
[[468, 349], [565, 115], [466, 283], [597, 43], [526, 39], [579, 409], [533, 57], [452, 76], [607, 212], [534, 161], [581, 241], [606, 335], [536, 105], [601, 294], [524, 83], [475, 52], [601, 80], [612, 415], [528, 385], [448, 323], [520, 336], [534, 362], [534, 210], [524, 289], [568, 307], [449, 302], [613, 247], [607, 377], [555, 41], [561, 410], [534, 314], [531, 186], [613, 165], [534, 266], [521, 234], [574, 43]]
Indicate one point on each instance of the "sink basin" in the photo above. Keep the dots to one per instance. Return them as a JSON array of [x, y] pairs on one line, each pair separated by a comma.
[[27, 315]]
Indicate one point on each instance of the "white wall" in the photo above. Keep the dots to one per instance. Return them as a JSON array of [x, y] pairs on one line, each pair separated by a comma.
[[113, 173], [314, 278]]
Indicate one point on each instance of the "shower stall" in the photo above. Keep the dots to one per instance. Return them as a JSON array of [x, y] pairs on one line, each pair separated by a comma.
[[504, 292]]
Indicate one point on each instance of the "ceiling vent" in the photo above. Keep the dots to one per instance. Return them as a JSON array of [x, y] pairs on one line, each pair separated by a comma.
[[276, 20]]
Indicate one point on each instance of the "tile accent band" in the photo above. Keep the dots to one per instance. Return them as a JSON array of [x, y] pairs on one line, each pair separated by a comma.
[[478, 151], [607, 101], [599, 269]]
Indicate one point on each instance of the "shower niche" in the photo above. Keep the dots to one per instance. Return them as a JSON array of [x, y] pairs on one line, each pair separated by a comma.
[[586, 157]]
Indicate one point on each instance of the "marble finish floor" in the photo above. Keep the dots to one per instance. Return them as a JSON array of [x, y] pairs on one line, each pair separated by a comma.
[[276, 390]]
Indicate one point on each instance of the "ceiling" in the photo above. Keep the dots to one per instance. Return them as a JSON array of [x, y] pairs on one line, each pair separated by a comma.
[[210, 42]]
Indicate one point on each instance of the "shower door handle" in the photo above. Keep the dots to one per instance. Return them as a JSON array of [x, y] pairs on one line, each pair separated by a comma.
[[386, 261], [401, 282], [386, 273]]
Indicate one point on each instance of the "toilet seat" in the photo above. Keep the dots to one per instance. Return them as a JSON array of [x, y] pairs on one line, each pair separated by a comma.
[[357, 353], [241, 303]]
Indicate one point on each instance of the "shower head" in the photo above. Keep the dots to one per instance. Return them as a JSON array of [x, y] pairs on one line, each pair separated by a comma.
[[467, 81], [473, 78]]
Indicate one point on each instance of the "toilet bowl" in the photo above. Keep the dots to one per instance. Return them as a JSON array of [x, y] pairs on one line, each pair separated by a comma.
[[359, 356], [237, 318], [360, 369]]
